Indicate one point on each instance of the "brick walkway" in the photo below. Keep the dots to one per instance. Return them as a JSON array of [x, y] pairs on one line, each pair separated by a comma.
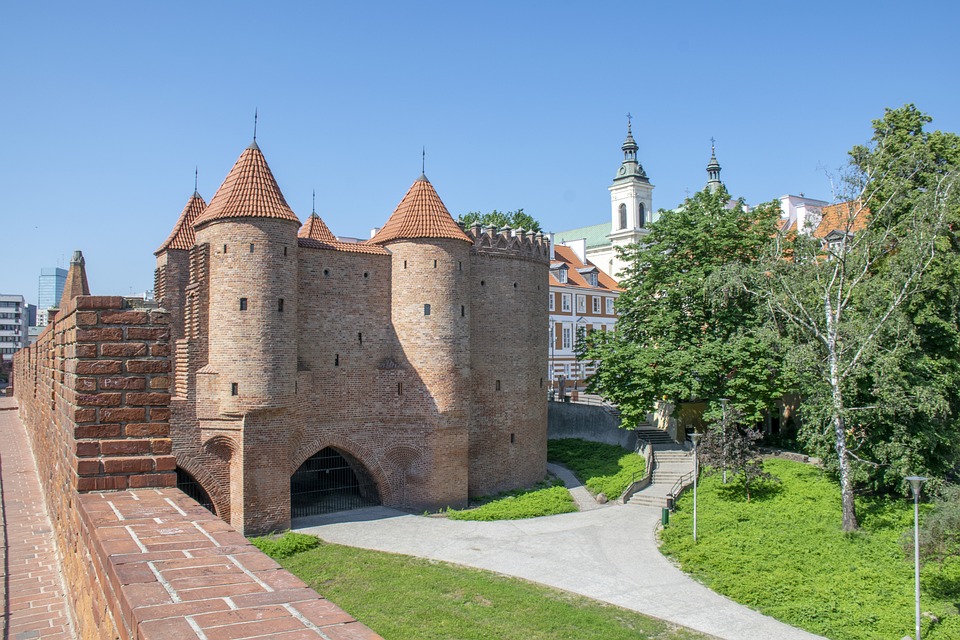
[[33, 602]]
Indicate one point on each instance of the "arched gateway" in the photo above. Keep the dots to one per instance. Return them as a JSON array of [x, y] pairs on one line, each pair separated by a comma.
[[330, 481]]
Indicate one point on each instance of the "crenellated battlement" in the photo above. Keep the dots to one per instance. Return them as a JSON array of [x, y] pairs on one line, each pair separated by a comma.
[[516, 242]]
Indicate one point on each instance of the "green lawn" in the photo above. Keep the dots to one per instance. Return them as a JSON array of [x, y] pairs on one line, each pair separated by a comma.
[[603, 468], [784, 554], [401, 598], [546, 499]]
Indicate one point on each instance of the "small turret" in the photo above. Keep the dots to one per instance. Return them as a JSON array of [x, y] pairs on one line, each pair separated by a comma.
[[252, 236], [713, 170]]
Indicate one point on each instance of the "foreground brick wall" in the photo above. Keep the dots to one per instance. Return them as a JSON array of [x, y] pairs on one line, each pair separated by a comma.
[[93, 392]]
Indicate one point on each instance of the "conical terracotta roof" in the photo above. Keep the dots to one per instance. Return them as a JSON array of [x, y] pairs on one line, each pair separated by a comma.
[[183, 236], [315, 229], [421, 214], [248, 191], [76, 283]]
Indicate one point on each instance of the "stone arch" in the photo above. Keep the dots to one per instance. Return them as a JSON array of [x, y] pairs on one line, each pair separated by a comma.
[[219, 495], [361, 454]]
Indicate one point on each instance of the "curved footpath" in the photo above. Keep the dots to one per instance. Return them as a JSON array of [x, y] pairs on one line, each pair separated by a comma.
[[607, 554]]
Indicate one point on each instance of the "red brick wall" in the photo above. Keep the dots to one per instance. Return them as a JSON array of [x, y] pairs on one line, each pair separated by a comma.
[[150, 563]]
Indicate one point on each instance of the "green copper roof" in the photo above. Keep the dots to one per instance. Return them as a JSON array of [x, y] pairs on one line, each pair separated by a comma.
[[595, 234]]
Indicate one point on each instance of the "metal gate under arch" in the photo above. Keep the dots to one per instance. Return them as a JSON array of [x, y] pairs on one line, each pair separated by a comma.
[[188, 484], [328, 482]]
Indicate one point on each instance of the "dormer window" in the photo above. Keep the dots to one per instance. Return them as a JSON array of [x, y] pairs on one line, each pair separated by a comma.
[[559, 271], [562, 276]]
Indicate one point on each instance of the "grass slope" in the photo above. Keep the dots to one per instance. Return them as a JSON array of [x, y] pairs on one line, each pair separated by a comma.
[[603, 468], [784, 554], [403, 598], [543, 500]]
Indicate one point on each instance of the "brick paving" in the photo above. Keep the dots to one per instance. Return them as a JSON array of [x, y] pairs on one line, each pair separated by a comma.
[[33, 601]]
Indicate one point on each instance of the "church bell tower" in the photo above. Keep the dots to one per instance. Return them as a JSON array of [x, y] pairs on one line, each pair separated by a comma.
[[631, 199]]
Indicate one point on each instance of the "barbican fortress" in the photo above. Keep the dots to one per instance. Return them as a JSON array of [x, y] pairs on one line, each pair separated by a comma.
[[313, 374]]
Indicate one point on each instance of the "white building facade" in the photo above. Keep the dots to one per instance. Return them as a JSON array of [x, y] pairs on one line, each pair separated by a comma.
[[14, 319]]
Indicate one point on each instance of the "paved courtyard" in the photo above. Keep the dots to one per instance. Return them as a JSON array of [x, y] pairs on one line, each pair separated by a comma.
[[608, 554]]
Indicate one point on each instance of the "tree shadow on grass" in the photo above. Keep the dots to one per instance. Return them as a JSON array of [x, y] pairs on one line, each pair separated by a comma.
[[760, 490]]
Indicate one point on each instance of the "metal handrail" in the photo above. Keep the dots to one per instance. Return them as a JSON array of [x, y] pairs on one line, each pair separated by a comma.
[[682, 483]]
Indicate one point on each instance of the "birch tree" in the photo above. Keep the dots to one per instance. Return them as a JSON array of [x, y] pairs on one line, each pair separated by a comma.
[[843, 298]]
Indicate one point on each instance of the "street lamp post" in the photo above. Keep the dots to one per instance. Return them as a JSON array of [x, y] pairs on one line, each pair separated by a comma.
[[695, 437], [915, 483]]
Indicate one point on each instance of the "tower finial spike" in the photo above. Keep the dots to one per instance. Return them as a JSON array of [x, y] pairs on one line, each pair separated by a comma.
[[314, 202], [423, 161], [196, 179], [256, 113]]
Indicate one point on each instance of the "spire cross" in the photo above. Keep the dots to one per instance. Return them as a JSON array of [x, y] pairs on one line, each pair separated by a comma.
[[255, 114], [629, 121], [712, 144]]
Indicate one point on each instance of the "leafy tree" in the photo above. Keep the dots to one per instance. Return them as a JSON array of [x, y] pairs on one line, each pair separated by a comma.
[[866, 314], [728, 445], [676, 339], [515, 219]]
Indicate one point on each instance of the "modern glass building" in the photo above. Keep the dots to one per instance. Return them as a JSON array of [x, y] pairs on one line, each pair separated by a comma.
[[52, 280]]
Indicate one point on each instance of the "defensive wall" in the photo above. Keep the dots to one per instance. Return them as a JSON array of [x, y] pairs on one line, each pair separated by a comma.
[[139, 558]]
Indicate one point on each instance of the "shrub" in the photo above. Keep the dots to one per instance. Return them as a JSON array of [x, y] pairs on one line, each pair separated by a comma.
[[288, 544]]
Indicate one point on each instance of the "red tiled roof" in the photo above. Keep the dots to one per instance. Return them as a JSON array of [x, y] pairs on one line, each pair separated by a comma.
[[315, 229], [563, 254], [848, 217], [248, 191], [421, 214], [183, 236], [337, 245]]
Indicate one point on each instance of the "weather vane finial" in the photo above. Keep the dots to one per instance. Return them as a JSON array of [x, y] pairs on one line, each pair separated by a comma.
[[196, 179], [314, 207], [255, 114]]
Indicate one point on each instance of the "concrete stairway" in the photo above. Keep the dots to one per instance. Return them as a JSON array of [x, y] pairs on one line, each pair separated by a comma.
[[668, 467], [658, 438]]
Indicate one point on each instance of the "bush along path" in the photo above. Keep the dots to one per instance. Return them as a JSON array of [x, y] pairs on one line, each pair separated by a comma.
[[784, 553]]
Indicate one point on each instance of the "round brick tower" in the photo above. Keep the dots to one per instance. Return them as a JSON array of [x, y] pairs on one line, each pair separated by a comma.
[[252, 238], [431, 318]]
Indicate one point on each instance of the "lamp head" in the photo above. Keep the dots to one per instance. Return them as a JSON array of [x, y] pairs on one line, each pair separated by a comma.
[[915, 483], [695, 438]]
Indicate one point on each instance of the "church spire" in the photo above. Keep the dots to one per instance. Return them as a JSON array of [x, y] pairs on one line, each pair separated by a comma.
[[713, 169], [630, 167]]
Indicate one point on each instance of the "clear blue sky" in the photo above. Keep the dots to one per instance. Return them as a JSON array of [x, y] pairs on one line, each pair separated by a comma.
[[108, 107]]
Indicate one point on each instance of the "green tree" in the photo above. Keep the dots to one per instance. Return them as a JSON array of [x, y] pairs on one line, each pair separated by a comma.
[[860, 311], [515, 219], [727, 444], [676, 339]]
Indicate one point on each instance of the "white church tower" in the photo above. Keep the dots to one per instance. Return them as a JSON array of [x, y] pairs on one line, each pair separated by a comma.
[[631, 202]]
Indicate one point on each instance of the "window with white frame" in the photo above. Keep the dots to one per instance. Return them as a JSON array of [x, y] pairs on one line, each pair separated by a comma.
[[565, 302], [592, 279], [581, 303], [567, 337], [609, 306], [553, 301], [561, 275], [596, 304]]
